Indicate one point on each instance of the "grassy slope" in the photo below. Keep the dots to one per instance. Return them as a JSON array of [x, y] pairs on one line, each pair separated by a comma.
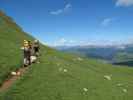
[[11, 39], [47, 81]]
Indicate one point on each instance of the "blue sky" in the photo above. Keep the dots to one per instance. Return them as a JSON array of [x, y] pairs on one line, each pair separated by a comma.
[[73, 22]]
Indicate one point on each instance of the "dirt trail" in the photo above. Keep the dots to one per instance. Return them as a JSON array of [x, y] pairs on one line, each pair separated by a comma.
[[9, 82]]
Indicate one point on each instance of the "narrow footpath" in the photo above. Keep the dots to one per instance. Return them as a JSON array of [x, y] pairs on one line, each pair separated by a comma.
[[9, 82]]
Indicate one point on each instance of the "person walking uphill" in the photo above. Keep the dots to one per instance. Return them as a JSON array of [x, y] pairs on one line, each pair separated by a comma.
[[36, 48], [27, 53]]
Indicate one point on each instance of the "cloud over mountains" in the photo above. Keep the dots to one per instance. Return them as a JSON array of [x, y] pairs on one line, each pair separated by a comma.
[[124, 3]]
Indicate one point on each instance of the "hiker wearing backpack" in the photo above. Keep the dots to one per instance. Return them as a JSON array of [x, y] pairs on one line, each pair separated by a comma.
[[33, 58], [36, 48]]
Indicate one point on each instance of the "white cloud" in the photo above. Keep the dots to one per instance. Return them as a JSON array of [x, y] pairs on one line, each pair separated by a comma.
[[64, 42], [67, 6], [63, 10], [61, 41], [59, 11], [100, 43], [107, 21], [124, 3]]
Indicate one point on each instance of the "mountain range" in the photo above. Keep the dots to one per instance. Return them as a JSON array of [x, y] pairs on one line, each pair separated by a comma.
[[116, 54]]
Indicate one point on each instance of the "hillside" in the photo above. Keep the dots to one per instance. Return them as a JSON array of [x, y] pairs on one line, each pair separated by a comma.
[[11, 39], [60, 76]]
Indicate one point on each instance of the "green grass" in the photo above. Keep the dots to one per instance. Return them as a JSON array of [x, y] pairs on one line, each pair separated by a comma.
[[11, 39], [48, 81]]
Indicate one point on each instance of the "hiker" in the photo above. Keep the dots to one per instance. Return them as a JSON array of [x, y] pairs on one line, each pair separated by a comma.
[[36, 48], [33, 58], [31, 48], [27, 53]]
